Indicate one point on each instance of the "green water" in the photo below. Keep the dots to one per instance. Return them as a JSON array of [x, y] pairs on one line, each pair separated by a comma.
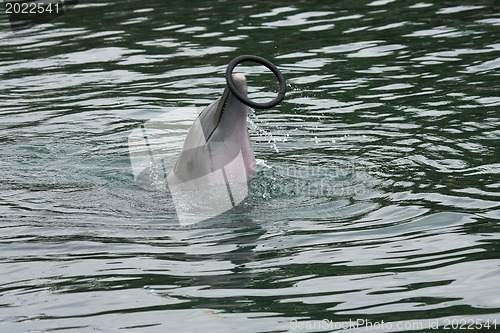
[[377, 197]]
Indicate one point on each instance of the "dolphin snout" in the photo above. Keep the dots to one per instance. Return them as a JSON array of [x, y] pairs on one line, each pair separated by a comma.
[[240, 81]]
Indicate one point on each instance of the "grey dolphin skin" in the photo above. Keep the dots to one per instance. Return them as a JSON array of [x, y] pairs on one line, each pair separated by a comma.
[[217, 160], [212, 171]]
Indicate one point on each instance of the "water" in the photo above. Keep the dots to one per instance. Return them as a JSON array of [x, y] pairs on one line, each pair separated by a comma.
[[377, 197]]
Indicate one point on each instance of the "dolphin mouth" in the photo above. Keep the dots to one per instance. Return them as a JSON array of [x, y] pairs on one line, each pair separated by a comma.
[[221, 107]]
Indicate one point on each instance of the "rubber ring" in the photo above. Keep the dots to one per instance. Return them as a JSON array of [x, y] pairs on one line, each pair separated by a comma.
[[281, 79]]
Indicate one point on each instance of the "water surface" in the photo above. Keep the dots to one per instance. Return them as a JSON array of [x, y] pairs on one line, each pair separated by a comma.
[[377, 196]]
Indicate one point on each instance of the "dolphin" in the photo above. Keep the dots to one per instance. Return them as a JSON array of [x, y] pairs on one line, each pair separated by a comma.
[[212, 171], [217, 161]]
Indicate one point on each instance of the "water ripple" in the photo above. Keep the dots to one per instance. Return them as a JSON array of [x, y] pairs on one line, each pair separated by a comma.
[[377, 194]]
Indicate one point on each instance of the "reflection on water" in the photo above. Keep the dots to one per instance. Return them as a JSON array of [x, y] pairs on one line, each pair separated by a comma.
[[377, 192]]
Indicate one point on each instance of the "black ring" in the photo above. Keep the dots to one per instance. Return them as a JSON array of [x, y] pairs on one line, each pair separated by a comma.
[[229, 79]]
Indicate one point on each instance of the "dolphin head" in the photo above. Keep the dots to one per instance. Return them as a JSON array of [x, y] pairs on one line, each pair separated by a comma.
[[227, 114], [218, 137]]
